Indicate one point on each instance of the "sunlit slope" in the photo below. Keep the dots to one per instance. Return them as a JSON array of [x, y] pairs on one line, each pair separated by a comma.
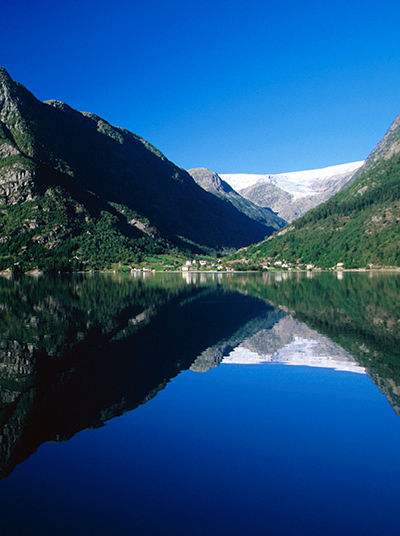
[[358, 226]]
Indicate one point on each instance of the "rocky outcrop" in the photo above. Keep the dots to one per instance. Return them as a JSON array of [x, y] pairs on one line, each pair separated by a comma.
[[17, 185], [17, 172], [270, 195], [212, 183], [386, 149]]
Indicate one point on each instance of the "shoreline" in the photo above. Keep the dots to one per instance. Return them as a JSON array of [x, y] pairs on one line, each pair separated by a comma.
[[37, 273]]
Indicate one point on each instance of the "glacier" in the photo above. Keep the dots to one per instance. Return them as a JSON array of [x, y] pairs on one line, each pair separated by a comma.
[[297, 183]]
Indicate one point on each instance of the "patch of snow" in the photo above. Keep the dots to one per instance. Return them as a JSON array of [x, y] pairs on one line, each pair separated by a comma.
[[297, 183]]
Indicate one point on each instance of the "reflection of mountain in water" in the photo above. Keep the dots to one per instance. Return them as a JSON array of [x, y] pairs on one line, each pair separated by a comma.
[[358, 311], [75, 352], [292, 343], [277, 338]]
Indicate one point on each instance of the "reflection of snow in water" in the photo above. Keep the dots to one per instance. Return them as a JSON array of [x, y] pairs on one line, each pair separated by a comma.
[[300, 351]]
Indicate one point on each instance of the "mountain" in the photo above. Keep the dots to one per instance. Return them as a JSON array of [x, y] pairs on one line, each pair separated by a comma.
[[292, 194], [76, 191], [212, 182], [359, 226]]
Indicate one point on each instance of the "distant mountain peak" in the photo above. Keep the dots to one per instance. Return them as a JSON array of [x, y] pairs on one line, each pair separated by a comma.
[[211, 182], [206, 177]]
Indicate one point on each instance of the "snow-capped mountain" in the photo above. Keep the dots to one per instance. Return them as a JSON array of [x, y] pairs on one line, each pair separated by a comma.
[[297, 183], [292, 194]]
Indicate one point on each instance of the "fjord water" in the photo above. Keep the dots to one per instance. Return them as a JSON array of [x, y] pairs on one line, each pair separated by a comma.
[[200, 404]]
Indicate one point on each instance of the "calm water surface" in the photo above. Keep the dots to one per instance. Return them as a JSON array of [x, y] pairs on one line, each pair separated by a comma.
[[204, 404]]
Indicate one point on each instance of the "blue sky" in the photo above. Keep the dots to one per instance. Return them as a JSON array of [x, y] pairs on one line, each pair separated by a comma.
[[250, 86]]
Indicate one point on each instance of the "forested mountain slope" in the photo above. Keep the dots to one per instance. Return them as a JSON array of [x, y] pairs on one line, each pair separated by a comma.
[[358, 226]]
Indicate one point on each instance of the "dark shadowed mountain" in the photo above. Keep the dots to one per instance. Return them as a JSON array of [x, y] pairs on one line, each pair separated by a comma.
[[71, 183]]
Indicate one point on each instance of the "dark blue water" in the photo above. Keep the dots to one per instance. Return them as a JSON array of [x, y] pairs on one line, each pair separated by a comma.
[[238, 449], [266, 449]]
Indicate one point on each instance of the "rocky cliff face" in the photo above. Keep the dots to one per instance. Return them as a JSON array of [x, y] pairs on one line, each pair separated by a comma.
[[264, 194], [17, 172], [386, 149], [389, 146]]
